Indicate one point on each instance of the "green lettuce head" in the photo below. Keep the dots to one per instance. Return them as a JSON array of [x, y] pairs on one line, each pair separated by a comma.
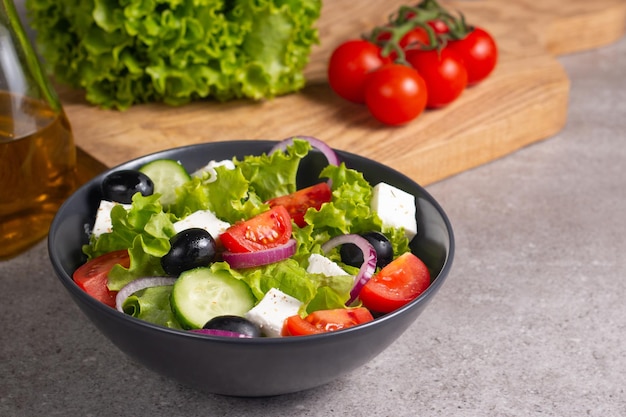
[[174, 51]]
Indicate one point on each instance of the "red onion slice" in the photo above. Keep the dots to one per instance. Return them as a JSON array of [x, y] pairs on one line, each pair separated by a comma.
[[224, 333], [238, 260], [321, 146], [138, 285], [368, 267]]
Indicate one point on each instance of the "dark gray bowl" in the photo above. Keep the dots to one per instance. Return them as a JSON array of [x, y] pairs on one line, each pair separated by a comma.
[[261, 366]]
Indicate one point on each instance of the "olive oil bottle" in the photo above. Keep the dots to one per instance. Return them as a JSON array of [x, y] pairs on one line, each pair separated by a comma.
[[37, 153]]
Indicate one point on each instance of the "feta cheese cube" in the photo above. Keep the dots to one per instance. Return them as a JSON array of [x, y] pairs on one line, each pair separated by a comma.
[[203, 219], [395, 207], [272, 311], [103, 217], [319, 264]]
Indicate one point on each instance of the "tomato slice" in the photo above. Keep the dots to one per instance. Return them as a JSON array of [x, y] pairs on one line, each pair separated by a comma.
[[323, 321], [299, 202], [398, 283], [92, 277], [263, 231]]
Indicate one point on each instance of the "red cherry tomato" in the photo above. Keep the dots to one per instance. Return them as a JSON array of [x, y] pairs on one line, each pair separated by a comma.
[[323, 321], [263, 231], [349, 65], [439, 26], [299, 202], [479, 53], [411, 40], [92, 277], [397, 284], [443, 72], [395, 94]]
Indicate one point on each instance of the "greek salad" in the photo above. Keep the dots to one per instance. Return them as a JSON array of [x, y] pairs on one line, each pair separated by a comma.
[[235, 249]]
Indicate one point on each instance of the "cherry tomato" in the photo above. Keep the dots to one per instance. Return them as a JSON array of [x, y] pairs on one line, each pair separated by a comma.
[[92, 277], [479, 52], [299, 202], [395, 94], [349, 65], [439, 26], [395, 285], [443, 72], [323, 321], [264, 231], [411, 40]]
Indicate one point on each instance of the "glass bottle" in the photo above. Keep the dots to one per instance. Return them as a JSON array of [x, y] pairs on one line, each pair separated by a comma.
[[37, 153]]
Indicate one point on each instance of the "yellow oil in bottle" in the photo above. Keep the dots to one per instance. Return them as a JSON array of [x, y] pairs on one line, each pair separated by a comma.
[[37, 170]]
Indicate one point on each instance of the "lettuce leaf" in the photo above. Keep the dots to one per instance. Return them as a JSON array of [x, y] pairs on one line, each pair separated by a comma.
[[152, 305], [274, 175], [174, 51], [291, 277], [145, 230], [228, 197], [239, 194], [146, 219]]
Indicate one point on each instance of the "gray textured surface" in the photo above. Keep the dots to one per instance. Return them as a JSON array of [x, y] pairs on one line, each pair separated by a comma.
[[532, 320]]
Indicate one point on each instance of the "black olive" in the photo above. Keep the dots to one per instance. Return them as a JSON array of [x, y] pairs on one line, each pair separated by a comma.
[[190, 248], [234, 324], [352, 255], [120, 186]]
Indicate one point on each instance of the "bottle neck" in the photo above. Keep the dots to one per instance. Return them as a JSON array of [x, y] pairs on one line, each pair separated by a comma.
[[20, 69]]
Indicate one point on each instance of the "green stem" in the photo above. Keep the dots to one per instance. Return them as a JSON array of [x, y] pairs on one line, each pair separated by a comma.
[[407, 18]]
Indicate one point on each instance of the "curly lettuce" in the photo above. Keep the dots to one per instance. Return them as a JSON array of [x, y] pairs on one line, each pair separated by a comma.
[[126, 52]]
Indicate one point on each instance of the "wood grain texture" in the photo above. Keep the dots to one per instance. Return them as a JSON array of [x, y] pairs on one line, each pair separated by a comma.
[[524, 100]]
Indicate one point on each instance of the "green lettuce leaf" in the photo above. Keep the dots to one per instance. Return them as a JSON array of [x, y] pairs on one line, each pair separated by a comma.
[[174, 51], [291, 278], [238, 194], [152, 305], [145, 230], [228, 197], [145, 218], [274, 175]]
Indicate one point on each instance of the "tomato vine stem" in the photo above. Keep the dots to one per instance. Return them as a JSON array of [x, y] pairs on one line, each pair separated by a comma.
[[407, 18]]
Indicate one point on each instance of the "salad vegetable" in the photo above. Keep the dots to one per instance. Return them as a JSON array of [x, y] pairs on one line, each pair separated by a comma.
[[173, 51], [252, 257], [422, 58]]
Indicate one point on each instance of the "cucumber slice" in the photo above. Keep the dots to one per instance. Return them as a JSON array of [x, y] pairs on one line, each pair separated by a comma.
[[167, 175], [200, 294]]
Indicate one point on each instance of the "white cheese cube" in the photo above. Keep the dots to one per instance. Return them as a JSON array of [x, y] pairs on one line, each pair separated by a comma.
[[103, 217], [395, 207], [319, 264], [272, 311], [203, 219], [210, 168]]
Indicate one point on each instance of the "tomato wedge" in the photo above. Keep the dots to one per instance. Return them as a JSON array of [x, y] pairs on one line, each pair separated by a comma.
[[323, 321], [299, 202], [263, 231], [398, 283], [92, 277]]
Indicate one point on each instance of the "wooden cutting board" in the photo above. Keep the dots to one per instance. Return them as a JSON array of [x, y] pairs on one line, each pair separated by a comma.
[[525, 99]]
